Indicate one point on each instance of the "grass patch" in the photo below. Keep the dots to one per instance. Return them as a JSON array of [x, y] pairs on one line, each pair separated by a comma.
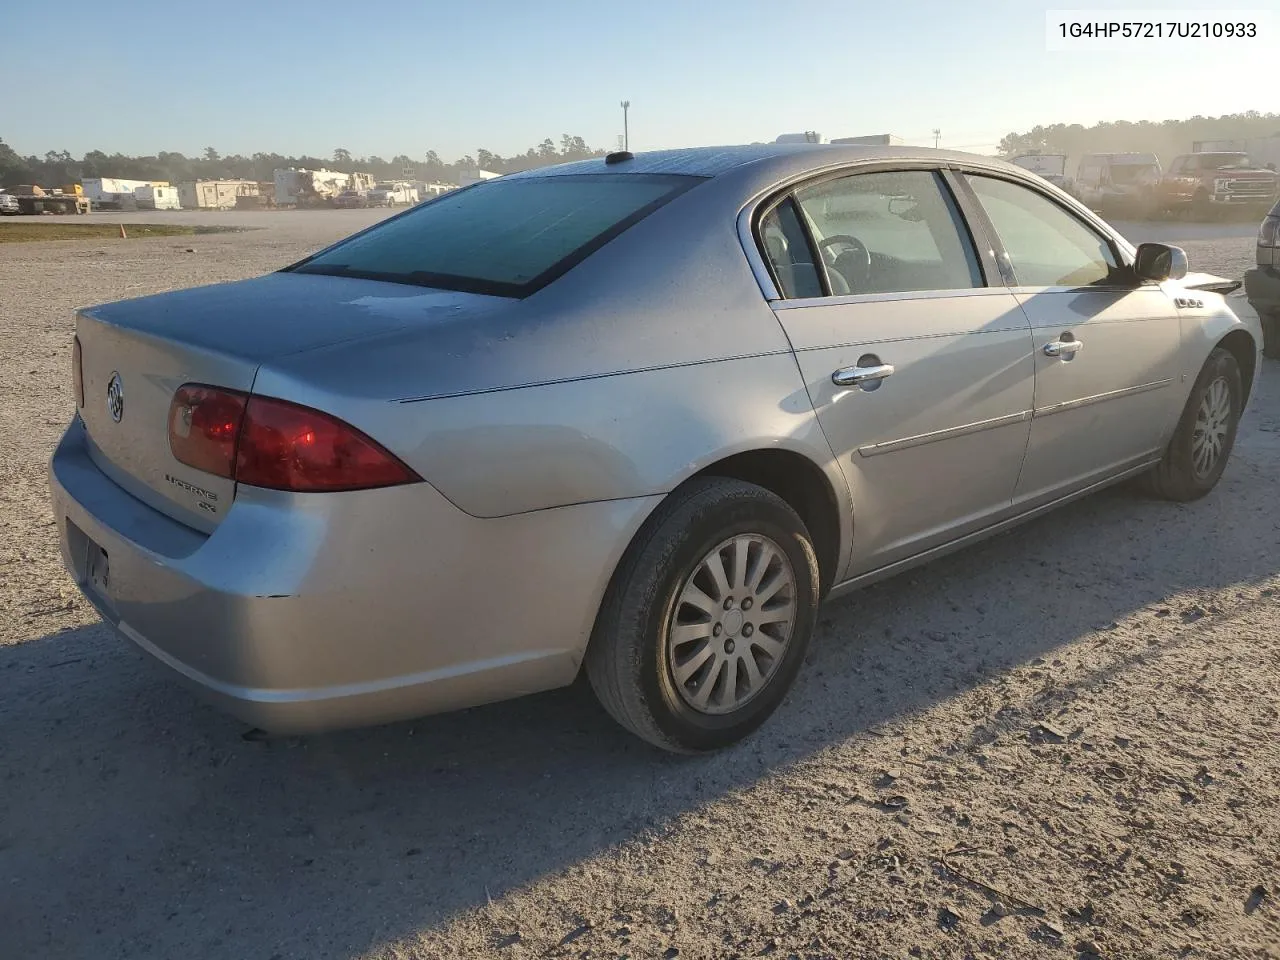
[[20, 231]]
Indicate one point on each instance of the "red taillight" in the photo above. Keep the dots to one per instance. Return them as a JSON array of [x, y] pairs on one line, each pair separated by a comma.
[[204, 425], [289, 447], [273, 443], [77, 373]]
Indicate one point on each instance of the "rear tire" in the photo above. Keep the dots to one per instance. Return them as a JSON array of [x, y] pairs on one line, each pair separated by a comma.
[[1206, 432], [694, 675]]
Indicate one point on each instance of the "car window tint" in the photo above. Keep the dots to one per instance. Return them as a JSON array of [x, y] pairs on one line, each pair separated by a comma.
[[1047, 246], [787, 249], [890, 232], [504, 236]]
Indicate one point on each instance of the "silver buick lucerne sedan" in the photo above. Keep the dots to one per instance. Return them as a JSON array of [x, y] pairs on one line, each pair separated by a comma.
[[637, 415]]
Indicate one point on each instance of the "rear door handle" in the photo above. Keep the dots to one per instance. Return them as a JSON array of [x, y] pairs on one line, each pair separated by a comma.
[[1066, 349], [852, 376]]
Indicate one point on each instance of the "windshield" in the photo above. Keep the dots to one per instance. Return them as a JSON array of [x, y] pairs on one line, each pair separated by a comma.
[[1223, 161], [1132, 172], [502, 237]]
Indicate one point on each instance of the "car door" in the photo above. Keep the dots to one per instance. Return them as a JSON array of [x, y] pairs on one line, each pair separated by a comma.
[[1106, 345], [919, 369]]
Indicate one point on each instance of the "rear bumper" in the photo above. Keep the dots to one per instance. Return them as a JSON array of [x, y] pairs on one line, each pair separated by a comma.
[[1262, 287], [302, 613]]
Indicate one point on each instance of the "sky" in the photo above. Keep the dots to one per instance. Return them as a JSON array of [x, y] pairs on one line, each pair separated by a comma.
[[385, 78]]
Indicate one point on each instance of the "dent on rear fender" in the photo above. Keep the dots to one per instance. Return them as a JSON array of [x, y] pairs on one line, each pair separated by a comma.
[[611, 438]]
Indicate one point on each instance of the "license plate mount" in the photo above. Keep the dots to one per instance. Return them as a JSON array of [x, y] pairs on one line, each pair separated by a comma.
[[97, 574]]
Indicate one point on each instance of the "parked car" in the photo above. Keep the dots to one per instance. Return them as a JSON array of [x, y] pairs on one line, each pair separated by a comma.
[[8, 204], [351, 199], [1118, 184], [1262, 283], [1206, 183], [636, 414]]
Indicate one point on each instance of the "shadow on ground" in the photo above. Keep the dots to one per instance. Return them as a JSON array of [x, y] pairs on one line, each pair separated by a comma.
[[135, 822]]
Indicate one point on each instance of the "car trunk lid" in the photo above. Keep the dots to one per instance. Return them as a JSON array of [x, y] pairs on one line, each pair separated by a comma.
[[136, 354]]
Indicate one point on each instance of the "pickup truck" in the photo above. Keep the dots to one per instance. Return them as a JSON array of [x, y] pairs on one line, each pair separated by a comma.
[[393, 195], [1205, 183]]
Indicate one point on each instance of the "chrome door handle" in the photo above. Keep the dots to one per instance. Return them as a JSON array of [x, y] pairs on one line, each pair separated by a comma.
[[852, 376], [1062, 348]]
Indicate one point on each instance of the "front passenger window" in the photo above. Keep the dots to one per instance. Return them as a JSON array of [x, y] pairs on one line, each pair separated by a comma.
[[1047, 246]]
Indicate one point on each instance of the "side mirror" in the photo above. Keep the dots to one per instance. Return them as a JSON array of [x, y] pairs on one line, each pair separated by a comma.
[[1160, 261]]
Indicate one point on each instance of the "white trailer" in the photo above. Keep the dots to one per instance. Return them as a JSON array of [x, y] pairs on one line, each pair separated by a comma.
[[151, 197], [476, 176], [1045, 164], [874, 140], [214, 194], [428, 190], [302, 187], [107, 188], [113, 193]]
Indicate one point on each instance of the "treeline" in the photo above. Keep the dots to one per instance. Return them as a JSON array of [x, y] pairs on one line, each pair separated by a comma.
[[1166, 138], [56, 168]]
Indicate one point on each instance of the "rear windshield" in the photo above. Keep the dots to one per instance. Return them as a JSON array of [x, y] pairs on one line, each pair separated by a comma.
[[502, 237]]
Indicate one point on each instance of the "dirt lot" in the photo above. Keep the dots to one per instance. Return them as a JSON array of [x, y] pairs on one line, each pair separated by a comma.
[[1064, 743]]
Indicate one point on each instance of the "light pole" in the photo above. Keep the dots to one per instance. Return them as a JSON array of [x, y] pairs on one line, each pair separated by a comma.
[[626, 138], [936, 134]]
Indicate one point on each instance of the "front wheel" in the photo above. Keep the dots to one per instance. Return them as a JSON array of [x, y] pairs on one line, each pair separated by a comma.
[[708, 617], [1201, 445]]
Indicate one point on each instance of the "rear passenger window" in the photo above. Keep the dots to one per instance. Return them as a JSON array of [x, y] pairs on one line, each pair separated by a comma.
[[892, 232], [787, 249]]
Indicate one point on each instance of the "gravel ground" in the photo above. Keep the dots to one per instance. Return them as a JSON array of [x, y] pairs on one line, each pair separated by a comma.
[[1063, 743]]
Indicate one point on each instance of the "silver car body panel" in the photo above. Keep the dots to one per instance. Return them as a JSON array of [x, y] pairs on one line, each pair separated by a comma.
[[549, 428], [1095, 411], [957, 405], [278, 619]]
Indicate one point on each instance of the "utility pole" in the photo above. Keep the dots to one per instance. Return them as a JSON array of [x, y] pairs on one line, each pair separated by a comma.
[[936, 134], [626, 137]]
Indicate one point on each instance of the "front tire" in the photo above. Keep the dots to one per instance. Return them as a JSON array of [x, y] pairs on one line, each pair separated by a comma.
[[706, 622], [1206, 432]]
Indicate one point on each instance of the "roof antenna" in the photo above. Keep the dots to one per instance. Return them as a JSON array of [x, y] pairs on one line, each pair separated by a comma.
[[618, 156]]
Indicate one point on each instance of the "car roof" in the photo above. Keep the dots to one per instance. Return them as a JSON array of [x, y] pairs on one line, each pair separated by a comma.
[[787, 158]]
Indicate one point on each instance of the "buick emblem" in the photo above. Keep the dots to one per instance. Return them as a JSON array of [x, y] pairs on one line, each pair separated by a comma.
[[115, 397]]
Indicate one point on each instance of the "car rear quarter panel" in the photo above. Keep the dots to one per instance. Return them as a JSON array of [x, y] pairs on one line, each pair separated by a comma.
[[653, 358]]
